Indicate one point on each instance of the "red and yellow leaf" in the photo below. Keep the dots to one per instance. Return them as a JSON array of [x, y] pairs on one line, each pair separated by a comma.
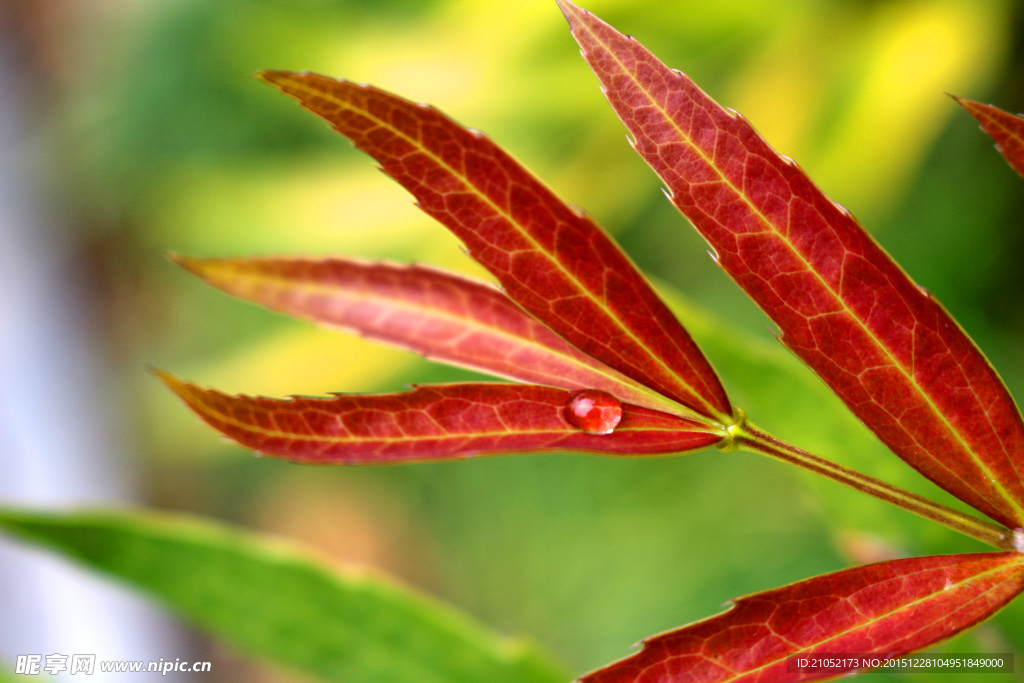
[[889, 608], [443, 316], [550, 258], [885, 346], [431, 423], [1005, 128]]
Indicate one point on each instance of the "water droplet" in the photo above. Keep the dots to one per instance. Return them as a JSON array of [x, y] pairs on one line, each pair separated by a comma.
[[1018, 540], [593, 411]]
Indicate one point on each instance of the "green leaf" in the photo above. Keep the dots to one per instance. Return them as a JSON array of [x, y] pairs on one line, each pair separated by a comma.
[[268, 598]]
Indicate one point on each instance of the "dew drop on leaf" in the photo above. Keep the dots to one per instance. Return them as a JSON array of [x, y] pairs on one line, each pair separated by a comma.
[[593, 411]]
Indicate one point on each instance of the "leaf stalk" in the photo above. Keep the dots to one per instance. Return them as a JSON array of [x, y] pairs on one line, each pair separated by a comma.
[[752, 438]]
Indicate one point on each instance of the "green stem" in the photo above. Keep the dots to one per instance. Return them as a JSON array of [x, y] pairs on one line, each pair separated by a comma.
[[746, 435]]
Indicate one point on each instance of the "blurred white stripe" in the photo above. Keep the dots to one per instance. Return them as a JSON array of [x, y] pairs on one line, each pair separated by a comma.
[[58, 440]]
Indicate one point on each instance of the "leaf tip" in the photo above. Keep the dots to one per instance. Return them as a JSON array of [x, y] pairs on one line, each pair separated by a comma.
[[272, 77], [288, 82], [973, 107], [192, 265], [178, 386], [569, 10], [189, 393], [212, 271]]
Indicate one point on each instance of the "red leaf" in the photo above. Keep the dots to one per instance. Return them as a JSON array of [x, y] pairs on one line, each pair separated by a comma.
[[885, 346], [889, 608], [430, 423], [551, 259], [443, 316], [1005, 128]]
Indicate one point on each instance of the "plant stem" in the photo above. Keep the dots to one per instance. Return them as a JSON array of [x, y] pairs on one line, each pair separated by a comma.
[[746, 435]]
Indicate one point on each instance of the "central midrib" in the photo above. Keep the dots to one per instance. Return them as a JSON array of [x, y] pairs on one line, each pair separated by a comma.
[[296, 436]]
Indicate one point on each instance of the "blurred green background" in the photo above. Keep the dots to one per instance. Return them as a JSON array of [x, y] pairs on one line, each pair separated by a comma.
[[152, 137]]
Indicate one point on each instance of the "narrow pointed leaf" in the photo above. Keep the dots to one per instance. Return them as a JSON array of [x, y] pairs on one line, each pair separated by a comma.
[[280, 603], [430, 423], [550, 258], [1005, 128], [885, 346], [889, 608], [443, 316]]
